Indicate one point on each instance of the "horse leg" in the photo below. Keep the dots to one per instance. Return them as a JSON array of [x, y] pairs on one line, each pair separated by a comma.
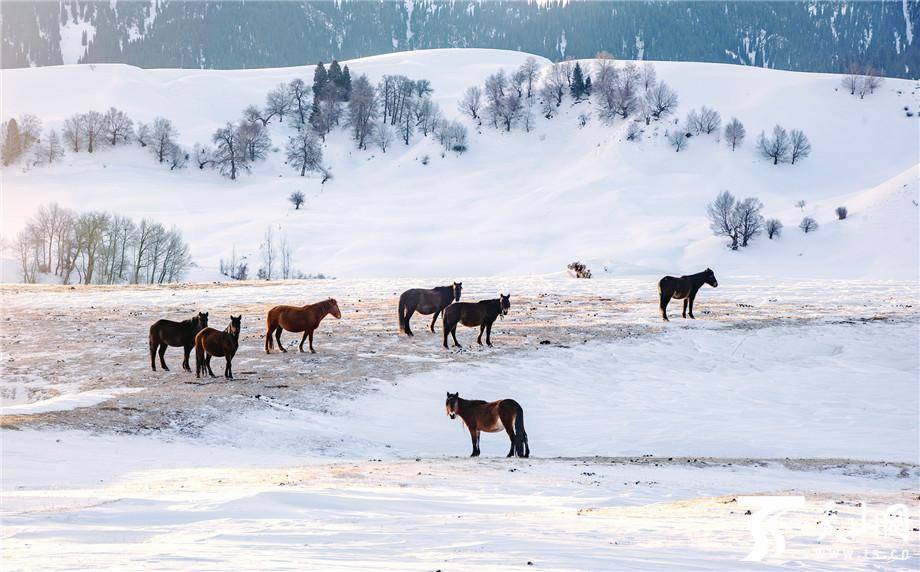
[[312, 351], [511, 436], [489, 335], [161, 351], [474, 435], [228, 369], [690, 300], [302, 340], [186, 352], [153, 353], [409, 311], [433, 320], [686, 301], [207, 363], [268, 340], [663, 305], [453, 333], [278, 338], [482, 328]]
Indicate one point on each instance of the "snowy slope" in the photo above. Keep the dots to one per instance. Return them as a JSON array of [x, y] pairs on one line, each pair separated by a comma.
[[517, 203]]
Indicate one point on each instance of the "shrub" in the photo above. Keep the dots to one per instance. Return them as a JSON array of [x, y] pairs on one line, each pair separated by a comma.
[[808, 224], [580, 270], [841, 213], [774, 228], [296, 199]]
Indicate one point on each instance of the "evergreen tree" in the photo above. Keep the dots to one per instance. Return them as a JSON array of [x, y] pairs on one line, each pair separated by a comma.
[[334, 73], [587, 85], [346, 84], [12, 142], [320, 80], [578, 87]]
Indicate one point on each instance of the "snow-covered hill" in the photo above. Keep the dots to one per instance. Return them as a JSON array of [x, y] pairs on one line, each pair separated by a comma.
[[515, 203]]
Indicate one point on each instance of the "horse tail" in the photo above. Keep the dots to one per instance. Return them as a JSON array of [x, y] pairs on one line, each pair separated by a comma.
[[199, 354], [520, 435], [401, 314], [154, 344]]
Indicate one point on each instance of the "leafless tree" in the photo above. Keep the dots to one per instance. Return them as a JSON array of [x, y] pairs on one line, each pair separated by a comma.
[[721, 213], [734, 133], [287, 255], [852, 78], [299, 96], [773, 227], [204, 156], [93, 127], [50, 150], [471, 101], [808, 224], [117, 126], [799, 146], [555, 83], [634, 132], [255, 140], [710, 120], [383, 136], [747, 219], [162, 138], [177, 158], [230, 154], [74, 132], [661, 100], [678, 139], [304, 152], [362, 110], [268, 253], [427, 114], [278, 101], [529, 71], [252, 114], [296, 198], [142, 135], [775, 147], [648, 77]]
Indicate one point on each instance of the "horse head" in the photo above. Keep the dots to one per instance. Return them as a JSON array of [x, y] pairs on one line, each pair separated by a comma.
[[458, 286], [710, 278], [234, 327], [452, 404], [202, 319], [505, 303], [334, 309]]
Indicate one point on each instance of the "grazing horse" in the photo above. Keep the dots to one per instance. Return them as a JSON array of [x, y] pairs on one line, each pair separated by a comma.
[[165, 333], [209, 342], [492, 417], [298, 319], [683, 288], [426, 302], [471, 314]]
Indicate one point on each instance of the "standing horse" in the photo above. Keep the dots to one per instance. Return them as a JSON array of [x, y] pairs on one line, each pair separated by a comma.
[[298, 319], [470, 314], [683, 288], [209, 342], [426, 302], [165, 333], [492, 417]]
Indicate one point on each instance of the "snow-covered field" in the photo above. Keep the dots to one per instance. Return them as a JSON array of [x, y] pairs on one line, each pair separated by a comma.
[[797, 380]]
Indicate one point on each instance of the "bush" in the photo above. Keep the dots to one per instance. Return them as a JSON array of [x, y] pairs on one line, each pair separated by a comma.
[[774, 228], [580, 270], [808, 224], [841, 213], [296, 199]]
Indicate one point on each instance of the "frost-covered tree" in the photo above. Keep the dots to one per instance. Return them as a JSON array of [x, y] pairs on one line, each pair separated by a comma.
[[634, 131], [721, 217], [117, 126], [734, 133], [678, 139], [747, 219], [528, 73], [452, 135], [304, 151], [162, 138], [648, 76], [230, 153], [204, 156], [296, 198], [776, 146], [808, 224], [141, 135], [555, 83], [50, 150], [177, 158], [710, 120], [299, 95], [278, 101], [774, 228], [74, 132], [255, 140], [799, 146], [30, 131], [252, 114], [93, 128], [362, 110], [471, 101], [495, 91], [427, 115], [383, 136]]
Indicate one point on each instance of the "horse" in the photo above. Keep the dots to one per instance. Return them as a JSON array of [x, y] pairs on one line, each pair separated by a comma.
[[209, 342], [482, 314], [426, 302], [492, 417], [165, 333], [683, 288], [298, 319]]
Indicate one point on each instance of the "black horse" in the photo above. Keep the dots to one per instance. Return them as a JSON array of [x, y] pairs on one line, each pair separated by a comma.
[[683, 288], [165, 333], [426, 302], [470, 314]]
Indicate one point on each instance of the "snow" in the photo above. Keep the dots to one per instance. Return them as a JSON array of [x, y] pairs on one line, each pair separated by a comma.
[[65, 402], [639, 208]]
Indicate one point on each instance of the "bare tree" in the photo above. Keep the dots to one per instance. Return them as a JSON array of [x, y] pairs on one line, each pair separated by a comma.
[[362, 110], [230, 155], [710, 120], [50, 150], [299, 96], [869, 82], [162, 138], [471, 101], [661, 100], [528, 73], [852, 78], [93, 126], [841, 213], [117, 126], [142, 135], [774, 228], [255, 140], [204, 156], [287, 255], [177, 158], [747, 219], [296, 198], [721, 213], [647, 76], [427, 115], [555, 83], [252, 114], [799, 146], [734, 133], [304, 151], [678, 139], [775, 147], [74, 132], [808, 224], [634, 132], [269, 254], [383, 136], [278, 101]]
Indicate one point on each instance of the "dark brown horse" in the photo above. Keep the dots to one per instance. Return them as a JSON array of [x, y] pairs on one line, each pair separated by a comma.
[[492, 417], [298, 319], [165, 333], [209, 342], [426, 302], [471, 314], [683, 288]]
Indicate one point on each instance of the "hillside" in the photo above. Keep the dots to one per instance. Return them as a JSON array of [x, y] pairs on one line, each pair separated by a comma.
[[807, 36], [516, 203]]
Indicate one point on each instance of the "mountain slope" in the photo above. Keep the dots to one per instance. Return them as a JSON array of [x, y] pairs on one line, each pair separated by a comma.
[[515, 203], [807, 36]]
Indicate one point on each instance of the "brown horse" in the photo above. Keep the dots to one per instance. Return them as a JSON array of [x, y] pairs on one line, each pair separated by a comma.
[[492, 417], [683, 288], [298, 319], [482, 314], [426, 302], [165, 333], [209, 342]]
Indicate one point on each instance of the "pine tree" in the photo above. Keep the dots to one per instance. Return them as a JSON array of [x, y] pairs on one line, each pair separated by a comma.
[[588, 85], [320, 79], [578, 88], [334, 73], [346, 84], [12, 142]]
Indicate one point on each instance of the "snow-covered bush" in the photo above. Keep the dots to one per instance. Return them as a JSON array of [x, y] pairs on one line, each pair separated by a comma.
[[774, 228], [808, 224], [841, 213], [580, 270]]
